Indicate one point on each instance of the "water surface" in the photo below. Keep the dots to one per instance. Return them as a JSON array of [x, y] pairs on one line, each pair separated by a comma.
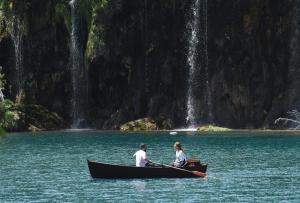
[[243, 167]]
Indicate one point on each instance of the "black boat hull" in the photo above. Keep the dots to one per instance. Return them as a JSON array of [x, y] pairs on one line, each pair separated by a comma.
[[102, 170]]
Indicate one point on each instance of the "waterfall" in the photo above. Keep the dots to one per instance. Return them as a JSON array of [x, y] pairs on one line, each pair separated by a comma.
[[193, 25], [17, 38], [78, 73], [197, 62], [1, 96]]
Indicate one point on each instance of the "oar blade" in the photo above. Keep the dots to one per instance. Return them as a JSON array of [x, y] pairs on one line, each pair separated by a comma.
[[198, 173]]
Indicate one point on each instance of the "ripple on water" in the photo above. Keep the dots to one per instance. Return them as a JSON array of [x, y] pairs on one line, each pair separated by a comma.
[[52, 167]]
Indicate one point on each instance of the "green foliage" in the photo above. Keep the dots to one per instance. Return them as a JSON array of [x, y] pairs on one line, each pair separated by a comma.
[[2, 80], [93, 9], [4, 14], [89, 10], [2, 131], [12, 12], [62, 11], [6, 5], [9, 115], [28, 117]]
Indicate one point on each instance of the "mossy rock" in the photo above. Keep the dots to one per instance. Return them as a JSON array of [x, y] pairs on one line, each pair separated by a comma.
[[38, 118], [24, 117], [144, 124], [212, 128]]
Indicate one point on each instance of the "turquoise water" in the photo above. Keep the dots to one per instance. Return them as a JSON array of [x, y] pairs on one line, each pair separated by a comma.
[[246, 167]]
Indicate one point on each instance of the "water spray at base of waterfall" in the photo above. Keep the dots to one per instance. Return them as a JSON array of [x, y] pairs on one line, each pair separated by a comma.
[[185, 130]]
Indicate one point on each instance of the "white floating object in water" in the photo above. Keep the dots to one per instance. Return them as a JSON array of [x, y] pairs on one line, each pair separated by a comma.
[[173, 133]]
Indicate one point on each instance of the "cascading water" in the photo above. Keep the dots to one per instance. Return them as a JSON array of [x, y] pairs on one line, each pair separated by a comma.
[[197, 62], [78, 73], [17, 38], [1, 96], [193, 25]]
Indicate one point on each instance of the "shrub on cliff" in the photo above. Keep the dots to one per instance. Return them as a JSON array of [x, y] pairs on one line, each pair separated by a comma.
[[9, 115], [24, 117]]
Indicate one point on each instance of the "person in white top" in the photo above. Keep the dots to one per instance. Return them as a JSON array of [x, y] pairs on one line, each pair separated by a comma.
[[141, 156], [181, 158]]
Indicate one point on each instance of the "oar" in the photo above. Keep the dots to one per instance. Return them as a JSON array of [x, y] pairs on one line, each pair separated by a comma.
[[196, 173]]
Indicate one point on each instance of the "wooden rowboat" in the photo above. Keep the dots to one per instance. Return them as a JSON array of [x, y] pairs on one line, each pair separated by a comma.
[[104, 170]]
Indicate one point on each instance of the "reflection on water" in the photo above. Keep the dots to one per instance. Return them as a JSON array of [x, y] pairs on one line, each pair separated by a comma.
[[138, 184]]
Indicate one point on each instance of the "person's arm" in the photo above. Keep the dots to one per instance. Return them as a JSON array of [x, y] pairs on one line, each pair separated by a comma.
[[145, 158]]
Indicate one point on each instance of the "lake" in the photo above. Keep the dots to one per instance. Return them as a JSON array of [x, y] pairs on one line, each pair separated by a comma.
[[243, 167]]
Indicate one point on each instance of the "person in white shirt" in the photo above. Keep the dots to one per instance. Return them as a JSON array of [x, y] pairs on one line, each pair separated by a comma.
[[141, 159], [181, 158]]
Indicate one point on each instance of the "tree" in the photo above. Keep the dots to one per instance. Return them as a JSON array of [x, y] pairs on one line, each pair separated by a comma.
[[8, 114], [293, 121]]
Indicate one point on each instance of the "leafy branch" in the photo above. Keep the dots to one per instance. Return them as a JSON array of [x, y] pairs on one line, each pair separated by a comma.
[[295, 119]]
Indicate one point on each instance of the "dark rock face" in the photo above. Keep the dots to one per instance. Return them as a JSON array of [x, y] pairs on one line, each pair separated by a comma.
[[142, 67], [140, 70], [47, 68], [46, 58], [249, 61]]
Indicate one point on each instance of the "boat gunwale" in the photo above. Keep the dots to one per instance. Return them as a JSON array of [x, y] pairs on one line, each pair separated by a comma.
[[121, 165]]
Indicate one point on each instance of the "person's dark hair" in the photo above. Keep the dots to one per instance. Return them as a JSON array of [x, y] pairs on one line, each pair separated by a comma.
[[142, 146]]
